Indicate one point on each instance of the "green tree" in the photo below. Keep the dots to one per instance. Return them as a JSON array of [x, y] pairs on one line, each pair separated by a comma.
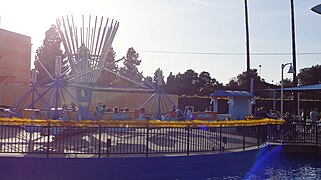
[[188, 85], [46, 55], [243, 80], [206, 85], [310, 75], [171, 86], [131, 63], [158, 74], [233, 84], [106, 78]]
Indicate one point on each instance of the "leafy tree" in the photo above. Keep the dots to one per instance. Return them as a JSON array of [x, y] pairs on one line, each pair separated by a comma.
[[242, 82], [158, 74], [188, 85], [148, 81], [171, 86], [106, 78], [46, 55], [287, 83], [131, 63], [233, 84], [310, 75], [206, 85]]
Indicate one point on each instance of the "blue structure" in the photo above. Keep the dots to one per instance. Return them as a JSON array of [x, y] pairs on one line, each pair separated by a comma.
[[86, 46], [239, 103]]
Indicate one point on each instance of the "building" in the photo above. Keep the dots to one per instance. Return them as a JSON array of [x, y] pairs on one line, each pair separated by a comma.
[[15, 58]]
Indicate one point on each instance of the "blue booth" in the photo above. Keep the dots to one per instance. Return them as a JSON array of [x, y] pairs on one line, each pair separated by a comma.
[[239, 104]]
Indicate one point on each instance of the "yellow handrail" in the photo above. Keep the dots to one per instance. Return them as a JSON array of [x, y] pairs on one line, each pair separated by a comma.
[[138, 123]]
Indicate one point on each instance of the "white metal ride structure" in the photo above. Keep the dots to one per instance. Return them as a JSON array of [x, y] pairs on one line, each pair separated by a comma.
[[87, 44], [87, 47]]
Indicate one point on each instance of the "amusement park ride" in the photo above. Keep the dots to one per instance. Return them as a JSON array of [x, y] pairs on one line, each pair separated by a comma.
[[86, 47]]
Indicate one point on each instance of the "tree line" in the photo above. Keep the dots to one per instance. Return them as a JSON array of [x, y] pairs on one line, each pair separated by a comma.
[[189, 83]]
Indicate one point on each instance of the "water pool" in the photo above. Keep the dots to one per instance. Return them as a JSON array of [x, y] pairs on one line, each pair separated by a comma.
[[281, 166]]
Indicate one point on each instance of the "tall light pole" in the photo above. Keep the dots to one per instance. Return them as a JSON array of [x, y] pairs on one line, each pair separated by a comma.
[[247, 34], [299, 84], [291, 70], [295, 96]]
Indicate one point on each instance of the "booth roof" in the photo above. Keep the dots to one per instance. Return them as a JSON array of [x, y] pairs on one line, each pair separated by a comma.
[[226, 93]]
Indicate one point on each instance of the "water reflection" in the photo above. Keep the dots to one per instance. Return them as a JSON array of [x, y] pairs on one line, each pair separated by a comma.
[[284, 168]]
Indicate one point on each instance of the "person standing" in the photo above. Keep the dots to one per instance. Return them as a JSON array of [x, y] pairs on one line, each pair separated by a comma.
[[314, 118], [302, 114]]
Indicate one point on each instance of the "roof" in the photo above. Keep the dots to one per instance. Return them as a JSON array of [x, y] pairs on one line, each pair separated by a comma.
[[226, 93], [313, 87], [304, 88]]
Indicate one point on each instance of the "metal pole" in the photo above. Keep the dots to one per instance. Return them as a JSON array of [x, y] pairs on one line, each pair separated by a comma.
[[247, 39], [298, 110], [244, 129], [258, 135], [48, 139], [247, 36], [188, 135], [147, 139], [293, 57], [316, 135], [282, 67], [221, 138], [274, 100], [99, 142]]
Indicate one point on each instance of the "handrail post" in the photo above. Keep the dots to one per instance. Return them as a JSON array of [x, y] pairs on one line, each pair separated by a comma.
[[243, 137], [188, 138], [48, 139], [147, 140], [221, 138], [99, 142]]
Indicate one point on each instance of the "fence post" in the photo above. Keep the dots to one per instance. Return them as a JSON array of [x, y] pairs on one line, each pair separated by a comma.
[[304, 130], [244, 136], [48, 139], [221, 138], [188, 140], [316, 135], [282, 132], [147, 140], [258, 135], [99, 142]]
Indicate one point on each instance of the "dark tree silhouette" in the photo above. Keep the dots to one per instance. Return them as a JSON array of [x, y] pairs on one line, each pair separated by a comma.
[[106, 78], [310, 75], [206, 85], [46, 55], [131, 63], [171, 86]]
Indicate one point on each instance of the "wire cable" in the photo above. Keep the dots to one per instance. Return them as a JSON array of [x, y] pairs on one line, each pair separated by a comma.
[[227, 53]]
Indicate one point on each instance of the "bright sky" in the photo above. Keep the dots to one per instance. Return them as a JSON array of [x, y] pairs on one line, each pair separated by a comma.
[[198, 26]]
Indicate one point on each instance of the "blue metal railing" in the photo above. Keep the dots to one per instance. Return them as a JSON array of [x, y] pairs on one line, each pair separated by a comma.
[[114, 141]]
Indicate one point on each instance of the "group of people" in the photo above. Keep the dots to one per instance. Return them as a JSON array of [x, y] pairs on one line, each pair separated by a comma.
[[101, 109], [311, 115], [262, 112]]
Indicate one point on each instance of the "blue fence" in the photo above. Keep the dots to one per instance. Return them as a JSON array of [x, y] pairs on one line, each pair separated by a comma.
[[110, 141]]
